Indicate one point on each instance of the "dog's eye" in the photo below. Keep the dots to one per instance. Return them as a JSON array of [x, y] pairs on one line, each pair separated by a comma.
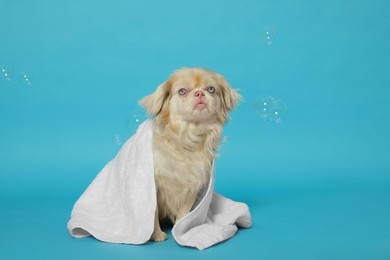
[[211, 89], [182, 91]]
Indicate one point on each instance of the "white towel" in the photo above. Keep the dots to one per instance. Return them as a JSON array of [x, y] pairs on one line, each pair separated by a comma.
[[119, 205]]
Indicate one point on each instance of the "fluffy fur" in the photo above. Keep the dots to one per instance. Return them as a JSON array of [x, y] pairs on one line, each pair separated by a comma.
[[190, 109]]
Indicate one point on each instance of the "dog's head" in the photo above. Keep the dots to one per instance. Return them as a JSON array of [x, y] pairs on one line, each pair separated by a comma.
[[193, 95]]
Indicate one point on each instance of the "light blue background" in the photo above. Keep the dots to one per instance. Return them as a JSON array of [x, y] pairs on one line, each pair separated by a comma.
[[318, 184]]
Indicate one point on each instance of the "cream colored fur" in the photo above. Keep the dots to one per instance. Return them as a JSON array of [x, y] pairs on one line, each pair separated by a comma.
[[190, 109]]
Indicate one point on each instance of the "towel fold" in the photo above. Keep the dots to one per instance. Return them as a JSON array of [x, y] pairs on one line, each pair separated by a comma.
[[119, 205]]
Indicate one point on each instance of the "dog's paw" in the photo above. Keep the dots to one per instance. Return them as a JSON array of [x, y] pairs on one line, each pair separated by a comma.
[[158, 236]]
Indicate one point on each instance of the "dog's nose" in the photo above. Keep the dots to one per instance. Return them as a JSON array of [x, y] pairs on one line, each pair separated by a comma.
[[199, 93]]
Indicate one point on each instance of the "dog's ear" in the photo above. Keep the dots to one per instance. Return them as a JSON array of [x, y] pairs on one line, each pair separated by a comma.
[[230, 97], [155, 101]]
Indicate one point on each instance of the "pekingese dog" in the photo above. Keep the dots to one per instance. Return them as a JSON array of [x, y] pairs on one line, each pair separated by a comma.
[[190, 109]]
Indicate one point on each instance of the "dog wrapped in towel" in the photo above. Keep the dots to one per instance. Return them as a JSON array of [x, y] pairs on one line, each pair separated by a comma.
[[166, 171]]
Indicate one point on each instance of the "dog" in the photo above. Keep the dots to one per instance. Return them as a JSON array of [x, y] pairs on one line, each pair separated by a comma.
[[189, 110]]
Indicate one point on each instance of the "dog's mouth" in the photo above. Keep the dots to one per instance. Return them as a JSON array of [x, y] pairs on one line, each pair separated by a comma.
[[200, 105]]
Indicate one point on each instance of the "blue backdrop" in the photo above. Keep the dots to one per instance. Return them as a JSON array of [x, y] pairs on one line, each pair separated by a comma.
[[318, 184]]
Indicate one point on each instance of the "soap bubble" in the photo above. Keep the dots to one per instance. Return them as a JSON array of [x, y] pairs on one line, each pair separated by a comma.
[[5, 73], [271, 108], [117, 139], [269, 34], [135, 119], [25, 79]]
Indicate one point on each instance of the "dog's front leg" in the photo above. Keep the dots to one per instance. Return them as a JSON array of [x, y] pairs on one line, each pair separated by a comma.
[[158, 235], [186, 207]]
